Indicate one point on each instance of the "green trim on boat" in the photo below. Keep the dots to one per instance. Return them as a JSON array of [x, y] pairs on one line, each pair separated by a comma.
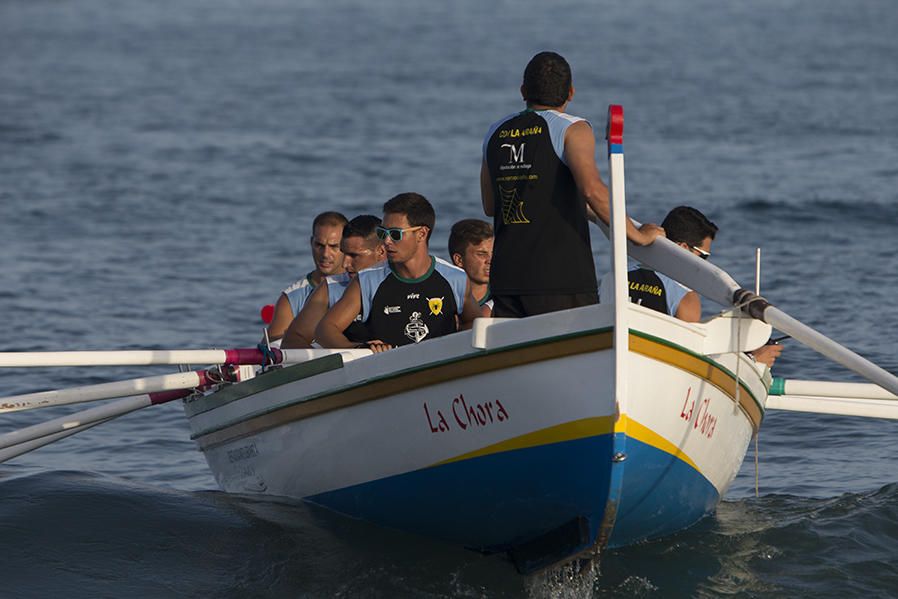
[[262, 382], [397, 374]]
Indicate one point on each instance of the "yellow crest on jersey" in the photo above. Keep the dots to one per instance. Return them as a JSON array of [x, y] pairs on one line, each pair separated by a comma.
[[436, 305]]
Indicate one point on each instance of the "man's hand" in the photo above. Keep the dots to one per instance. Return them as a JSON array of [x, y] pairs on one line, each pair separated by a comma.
[[647, 234], [767, 354], [377, 346]]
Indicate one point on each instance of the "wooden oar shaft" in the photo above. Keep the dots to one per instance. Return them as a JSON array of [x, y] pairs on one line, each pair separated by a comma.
[[715, 284], [829, 348], [93, 415], [842, 406], [135, 357], [244, 356], [145, 385]]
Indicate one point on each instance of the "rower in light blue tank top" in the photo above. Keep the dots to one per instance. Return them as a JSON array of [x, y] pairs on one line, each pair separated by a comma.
[[299, 292]]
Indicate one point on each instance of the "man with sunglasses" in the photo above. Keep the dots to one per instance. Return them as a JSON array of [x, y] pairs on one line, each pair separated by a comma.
[[327, 229], [361, 249], [538, 178], [692, 231], [412, 297]]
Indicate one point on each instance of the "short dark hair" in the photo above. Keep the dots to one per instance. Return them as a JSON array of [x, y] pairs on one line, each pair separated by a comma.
[[416, 209], [468, 231], [547, 80], [329, 219], [363, 226], [685, 224]]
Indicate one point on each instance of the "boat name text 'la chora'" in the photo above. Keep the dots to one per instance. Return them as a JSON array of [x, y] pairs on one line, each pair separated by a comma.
[[704, 421], [465, 416]]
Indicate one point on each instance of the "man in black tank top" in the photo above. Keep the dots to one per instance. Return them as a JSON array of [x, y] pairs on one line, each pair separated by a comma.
[[413, 297], [537, 178]]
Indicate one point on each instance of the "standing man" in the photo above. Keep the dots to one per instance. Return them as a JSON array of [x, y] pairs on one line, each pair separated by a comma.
[[361, 249], [327, 230], [537, 179], [413, 296], [471, 249]]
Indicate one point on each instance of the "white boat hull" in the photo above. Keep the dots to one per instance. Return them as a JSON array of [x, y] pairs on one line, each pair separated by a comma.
[[509, 438]]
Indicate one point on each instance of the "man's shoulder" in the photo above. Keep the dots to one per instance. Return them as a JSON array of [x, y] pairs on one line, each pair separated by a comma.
[[370, 278], [556, 115], [302, 283], [449, 271], [340, 279]]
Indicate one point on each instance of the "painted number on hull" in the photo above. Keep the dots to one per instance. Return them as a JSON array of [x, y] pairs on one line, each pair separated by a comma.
[[464, 416], [699, 414]]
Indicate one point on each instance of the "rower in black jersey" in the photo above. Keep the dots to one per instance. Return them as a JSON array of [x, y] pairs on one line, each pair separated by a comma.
[[414, 297]]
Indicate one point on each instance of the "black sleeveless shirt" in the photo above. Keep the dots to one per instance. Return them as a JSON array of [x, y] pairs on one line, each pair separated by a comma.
[[401, 311], [541, 233], [647, 289]]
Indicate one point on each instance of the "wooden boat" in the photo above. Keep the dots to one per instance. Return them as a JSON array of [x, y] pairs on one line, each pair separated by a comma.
[[546, 437], [505, 438]]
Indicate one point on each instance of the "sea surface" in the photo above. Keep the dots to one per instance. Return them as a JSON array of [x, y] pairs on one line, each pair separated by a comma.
[[160, 163]]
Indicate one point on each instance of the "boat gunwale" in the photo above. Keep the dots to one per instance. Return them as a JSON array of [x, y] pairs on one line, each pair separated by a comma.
[[477, 355]]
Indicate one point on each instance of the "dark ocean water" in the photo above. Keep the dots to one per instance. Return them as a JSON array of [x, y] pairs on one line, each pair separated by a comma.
[[159, 167]]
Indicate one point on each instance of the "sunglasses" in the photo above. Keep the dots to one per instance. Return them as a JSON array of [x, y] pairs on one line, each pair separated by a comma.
[[701, 253], [395, 233]]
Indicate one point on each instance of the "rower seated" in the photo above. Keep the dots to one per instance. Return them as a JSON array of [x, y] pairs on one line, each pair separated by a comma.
[[325, 245], [410, 298], [361, 249], [692, 231]]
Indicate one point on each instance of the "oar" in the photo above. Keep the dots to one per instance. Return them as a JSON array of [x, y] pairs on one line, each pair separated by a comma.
[[843, 406], [136, 357], [85, 419], [150, 384], [781, 386], [717, 285], [823, 397], [245, 356], [17, 450]]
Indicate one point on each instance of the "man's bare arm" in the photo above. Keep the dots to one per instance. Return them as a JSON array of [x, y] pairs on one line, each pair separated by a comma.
[[469, 311], [690, 307], [486, 190], [579, 155], [301, 332], [283, 316], [329, 332]]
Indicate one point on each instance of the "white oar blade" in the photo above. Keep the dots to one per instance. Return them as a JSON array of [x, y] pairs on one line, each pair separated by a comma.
[[842, 406]]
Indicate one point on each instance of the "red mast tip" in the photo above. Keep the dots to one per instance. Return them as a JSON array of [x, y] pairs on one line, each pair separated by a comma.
[[267, 313], [615, 129]]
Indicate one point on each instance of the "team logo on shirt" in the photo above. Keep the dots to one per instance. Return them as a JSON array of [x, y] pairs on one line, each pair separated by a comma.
[[512, 207], [392, 309], [436, 305], [416, 329]]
